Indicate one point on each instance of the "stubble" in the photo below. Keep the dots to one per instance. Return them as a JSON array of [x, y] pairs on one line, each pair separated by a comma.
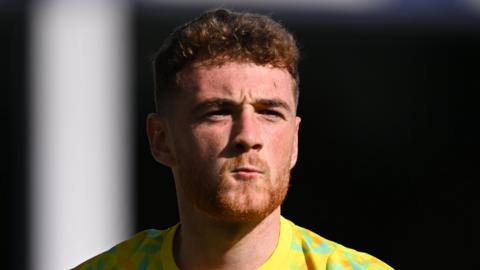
[[226, 198]]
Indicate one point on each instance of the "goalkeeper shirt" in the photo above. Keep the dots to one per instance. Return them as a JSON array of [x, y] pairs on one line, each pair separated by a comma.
[[297, 248]]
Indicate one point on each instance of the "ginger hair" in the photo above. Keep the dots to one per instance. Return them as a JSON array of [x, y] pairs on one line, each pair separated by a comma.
[[221, 36]]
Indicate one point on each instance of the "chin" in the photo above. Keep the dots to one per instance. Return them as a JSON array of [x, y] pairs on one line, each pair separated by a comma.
[[246, 207], [238, 201]]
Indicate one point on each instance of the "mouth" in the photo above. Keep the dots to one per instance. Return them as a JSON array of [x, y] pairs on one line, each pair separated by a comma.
[[246, 172]]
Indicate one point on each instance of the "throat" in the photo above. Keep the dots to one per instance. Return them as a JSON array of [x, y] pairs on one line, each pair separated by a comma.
[[226, 245]]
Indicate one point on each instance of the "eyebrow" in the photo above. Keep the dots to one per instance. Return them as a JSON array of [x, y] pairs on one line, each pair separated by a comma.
[[214, 102], [225, 103], [273, 103]]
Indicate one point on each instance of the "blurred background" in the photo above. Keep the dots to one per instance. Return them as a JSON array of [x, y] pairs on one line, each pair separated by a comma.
[[388, 141]]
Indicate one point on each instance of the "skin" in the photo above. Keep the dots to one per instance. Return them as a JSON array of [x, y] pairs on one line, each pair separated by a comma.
[[231, 141]]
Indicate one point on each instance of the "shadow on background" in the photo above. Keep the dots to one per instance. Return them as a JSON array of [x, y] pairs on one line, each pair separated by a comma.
[[13, 135]]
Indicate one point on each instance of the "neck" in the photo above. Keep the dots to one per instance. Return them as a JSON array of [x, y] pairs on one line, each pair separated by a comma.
[[202, 242]]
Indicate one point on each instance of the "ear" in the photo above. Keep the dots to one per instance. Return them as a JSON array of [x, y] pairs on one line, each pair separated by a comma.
[[293, 161], [159, 137]]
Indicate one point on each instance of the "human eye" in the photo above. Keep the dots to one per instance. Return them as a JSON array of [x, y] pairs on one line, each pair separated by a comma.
[[216, 114], [271, 114]]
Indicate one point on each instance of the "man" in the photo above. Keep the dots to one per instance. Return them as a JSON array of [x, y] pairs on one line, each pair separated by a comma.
[[226, 96]]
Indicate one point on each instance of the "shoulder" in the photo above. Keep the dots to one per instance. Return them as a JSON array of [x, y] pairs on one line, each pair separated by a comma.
[[343, 256], [320, 251], [128, 253]]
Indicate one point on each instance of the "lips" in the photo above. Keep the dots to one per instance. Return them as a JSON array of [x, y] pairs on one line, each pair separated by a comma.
[[246, 172]]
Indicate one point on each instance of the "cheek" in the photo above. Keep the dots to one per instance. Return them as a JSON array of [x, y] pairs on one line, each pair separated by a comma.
[[282, 145], [208, 142]]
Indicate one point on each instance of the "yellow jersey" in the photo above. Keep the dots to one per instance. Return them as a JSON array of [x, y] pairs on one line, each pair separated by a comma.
[[297, 248]]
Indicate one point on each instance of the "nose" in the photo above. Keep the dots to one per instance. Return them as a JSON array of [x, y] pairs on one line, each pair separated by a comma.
[[247, 132]]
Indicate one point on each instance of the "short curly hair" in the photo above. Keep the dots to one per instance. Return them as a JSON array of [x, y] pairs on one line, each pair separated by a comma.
[[219, 36]]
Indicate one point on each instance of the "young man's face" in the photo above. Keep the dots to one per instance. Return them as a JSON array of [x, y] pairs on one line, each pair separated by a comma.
[[233, 139]]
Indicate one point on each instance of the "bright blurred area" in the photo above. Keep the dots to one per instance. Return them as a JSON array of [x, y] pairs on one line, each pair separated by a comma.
[[388, 105]]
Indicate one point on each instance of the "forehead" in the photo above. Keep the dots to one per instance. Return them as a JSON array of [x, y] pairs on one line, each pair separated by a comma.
[[236, 81]]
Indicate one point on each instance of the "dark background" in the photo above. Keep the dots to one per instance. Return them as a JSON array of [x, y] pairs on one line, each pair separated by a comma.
[[388, 153], [13, 134]]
